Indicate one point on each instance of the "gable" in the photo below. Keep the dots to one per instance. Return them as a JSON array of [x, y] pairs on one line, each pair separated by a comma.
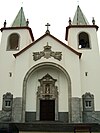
[[49, 36]]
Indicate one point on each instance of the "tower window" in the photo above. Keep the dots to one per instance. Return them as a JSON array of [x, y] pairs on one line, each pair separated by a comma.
[[83, 40], [88, 104], [13, 42]]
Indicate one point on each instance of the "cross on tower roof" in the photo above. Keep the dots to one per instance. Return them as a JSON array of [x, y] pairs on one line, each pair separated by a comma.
[[47, 31]]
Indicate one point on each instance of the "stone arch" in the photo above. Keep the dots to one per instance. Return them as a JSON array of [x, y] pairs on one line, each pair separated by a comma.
[[83, 39], [34, 68], [13, 41]]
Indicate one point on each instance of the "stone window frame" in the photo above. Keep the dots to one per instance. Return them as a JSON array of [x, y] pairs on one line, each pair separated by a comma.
[[8, 97], [14, 37], [88, 97]]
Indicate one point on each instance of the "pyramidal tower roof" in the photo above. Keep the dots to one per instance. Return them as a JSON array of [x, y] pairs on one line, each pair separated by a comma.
[[79, 18], [20, 20]]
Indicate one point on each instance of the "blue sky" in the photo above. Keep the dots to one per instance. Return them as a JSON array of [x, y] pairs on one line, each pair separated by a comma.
[[55, 12]]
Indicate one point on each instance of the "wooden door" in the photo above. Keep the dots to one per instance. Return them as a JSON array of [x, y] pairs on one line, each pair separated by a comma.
[[47, 110]]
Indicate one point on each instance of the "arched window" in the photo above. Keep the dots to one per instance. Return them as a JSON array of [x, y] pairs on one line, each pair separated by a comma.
[[84, 40], [13, 42]]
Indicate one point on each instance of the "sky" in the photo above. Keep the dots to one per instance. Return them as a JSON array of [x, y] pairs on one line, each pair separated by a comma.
[[55, 12]]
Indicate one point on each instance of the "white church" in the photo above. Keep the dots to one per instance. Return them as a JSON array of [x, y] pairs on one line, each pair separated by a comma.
[[47, 85]]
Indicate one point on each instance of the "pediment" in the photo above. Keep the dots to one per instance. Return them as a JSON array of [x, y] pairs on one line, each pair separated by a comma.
[[47, 78], [48, 47]]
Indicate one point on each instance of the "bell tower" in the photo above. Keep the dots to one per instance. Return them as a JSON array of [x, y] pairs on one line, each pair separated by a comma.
[[83, 37], [14, 37], [13, 40], [80, 34]]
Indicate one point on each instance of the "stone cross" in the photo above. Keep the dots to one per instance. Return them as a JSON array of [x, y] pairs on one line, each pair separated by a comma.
[[47, 31]]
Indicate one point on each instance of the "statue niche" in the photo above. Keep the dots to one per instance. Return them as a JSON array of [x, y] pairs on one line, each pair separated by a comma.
[[47, 88]]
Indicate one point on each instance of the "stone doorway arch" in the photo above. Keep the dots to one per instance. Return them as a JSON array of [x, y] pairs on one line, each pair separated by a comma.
[[34, 68]]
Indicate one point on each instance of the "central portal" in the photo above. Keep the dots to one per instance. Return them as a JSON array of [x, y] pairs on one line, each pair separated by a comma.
[[47, 99], [47, 110]]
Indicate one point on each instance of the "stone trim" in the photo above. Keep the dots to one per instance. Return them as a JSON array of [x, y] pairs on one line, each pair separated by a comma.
[[88, 102], [47, 91], [7, 102]]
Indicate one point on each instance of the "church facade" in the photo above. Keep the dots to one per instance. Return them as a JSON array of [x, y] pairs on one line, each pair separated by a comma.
[[47, 85]]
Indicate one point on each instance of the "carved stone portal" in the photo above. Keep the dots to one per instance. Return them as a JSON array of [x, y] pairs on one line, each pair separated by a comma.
[[47, 53], [47, 91], [47, 88]]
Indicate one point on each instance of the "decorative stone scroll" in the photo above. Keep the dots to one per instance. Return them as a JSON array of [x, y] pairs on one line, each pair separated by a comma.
[[47, 88], [47, 53]]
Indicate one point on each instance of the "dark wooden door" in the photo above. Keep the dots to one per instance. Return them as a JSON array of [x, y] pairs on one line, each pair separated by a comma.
[[47, 110]]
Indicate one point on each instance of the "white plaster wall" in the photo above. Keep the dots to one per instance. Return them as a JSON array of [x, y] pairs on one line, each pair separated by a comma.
[[33, 83], [91, 82], [7, 65], [73, 38], [20, 65], [69, 62], [7, 62], [89, 62], [25, 38]]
